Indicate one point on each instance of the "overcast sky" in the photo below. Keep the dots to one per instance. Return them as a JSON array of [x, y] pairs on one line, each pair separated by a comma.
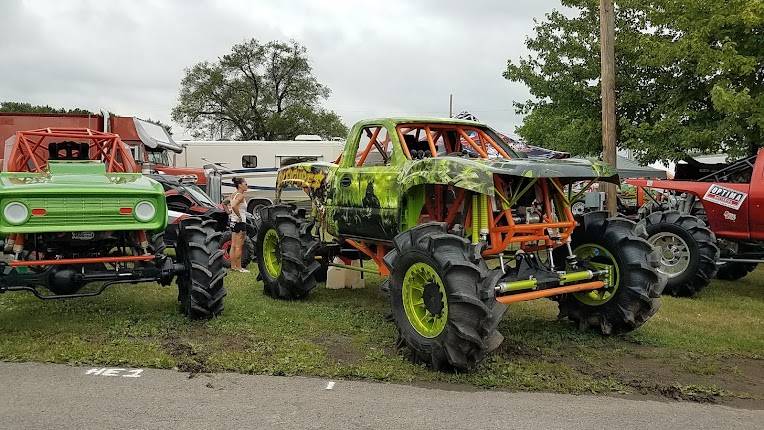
[[379, 58]]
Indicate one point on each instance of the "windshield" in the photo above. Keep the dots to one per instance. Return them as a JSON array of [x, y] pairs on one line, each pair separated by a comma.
[[422, 140], [198, 194], [159, 157]]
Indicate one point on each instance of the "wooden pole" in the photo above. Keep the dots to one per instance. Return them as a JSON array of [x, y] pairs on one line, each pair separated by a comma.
[[607, 83]]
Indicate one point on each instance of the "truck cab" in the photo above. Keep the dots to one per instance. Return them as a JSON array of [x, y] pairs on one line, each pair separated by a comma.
[[731, 200]]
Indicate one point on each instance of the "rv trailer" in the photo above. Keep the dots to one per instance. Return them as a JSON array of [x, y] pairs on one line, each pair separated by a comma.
[[258, 161]]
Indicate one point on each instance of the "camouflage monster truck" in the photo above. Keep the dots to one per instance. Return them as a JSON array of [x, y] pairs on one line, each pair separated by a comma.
[[461, 226], [77, 211]]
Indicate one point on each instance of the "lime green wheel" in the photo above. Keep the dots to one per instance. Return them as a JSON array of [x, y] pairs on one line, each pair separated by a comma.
[[286, 253], [424, 300], [442, 299], [600, 259], [271, 253], [633, 284]]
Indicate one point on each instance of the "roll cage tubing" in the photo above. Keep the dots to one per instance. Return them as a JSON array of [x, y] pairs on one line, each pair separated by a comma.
[[29, 155], [557, 220]]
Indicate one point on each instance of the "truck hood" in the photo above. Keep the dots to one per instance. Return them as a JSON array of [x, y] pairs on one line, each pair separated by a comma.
[[477, 174], [80, 178]]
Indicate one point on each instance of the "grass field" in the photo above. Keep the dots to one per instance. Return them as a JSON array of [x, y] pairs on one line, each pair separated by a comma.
[[710, 348]]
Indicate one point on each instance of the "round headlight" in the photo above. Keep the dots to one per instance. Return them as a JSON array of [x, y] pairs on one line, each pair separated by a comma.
[[16, 213], [145, 211]]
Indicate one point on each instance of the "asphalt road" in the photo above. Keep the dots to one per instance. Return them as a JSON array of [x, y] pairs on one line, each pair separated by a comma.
[[58, 396]]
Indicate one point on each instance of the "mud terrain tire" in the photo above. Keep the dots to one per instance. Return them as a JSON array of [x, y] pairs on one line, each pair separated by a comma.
[[286, 251], [637, 297], [684, 241], [200, 288], [427, 258], [734, 271]]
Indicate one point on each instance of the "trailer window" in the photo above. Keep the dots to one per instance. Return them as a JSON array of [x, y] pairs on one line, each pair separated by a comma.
[[249, 161]]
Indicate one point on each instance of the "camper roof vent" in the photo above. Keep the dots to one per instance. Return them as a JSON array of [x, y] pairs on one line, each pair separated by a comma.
[[308, 137]]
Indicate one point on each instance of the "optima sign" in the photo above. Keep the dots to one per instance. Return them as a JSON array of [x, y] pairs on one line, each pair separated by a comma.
[[724, 196]]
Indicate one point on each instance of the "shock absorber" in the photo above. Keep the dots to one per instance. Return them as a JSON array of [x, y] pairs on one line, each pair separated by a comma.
[[483, 217], [475, 219]]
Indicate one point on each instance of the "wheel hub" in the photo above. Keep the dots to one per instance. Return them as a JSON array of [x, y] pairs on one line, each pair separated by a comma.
[[433, 299], [675, 254], [597, 257], [424, 299], [272, 253]]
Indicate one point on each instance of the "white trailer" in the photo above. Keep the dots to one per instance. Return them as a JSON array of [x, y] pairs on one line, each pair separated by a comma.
[[258, 161]]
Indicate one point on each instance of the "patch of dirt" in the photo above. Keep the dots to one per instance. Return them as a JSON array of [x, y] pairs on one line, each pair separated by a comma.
[[188, 359], [340, 348], [231, 343], [651, 372]]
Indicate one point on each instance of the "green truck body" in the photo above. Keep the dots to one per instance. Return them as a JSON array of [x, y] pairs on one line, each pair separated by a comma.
[[381, 201], [77, 216], [75, 196]]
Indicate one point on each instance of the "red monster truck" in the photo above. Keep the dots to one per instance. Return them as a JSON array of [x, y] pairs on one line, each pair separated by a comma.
[[713, 213]]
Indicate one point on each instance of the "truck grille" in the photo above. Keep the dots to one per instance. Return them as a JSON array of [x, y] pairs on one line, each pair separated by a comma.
[[82, 211]]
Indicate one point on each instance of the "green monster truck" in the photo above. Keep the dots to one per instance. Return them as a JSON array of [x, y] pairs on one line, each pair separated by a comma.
[[77, 211], [460, 226]]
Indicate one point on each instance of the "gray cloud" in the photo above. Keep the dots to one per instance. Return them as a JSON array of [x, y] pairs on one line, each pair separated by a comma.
[[379, 59]]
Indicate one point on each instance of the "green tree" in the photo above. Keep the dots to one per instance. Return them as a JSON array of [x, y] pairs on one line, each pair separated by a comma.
[[258, 91], [22, 107], [690, 78]]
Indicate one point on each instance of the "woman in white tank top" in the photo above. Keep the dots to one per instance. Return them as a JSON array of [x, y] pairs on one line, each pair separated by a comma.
[[238, 223]]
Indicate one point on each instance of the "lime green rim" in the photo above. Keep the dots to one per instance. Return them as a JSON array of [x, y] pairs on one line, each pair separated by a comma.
[[272, 253], [598, 258], [417, 277]]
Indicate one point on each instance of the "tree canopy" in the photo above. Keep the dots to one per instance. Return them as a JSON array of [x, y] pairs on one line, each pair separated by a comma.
[[22, 107], [258, 91], [689, 78]]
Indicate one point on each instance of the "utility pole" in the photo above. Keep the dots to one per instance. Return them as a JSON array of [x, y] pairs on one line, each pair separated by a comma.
[[450, 105], [607, 83]]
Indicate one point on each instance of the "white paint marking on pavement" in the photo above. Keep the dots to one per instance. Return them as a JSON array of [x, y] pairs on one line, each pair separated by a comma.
[[330, 385], [114, 371], [133, 373]]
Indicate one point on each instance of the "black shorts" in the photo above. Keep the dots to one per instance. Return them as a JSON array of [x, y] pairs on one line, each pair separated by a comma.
[[239, 227]]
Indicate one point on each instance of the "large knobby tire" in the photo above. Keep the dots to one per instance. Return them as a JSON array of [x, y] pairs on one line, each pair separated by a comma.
[[286, 252], [200, 287], [442, 299], [634, 297], [247, 252], [734, 271], [158, 245], [688, 251], [652, 206]]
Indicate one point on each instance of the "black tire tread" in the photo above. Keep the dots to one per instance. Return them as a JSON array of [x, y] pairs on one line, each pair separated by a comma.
[[201, 291], [474, 314], [638, 295], [732, 271], [299, 248], [703, 249]]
